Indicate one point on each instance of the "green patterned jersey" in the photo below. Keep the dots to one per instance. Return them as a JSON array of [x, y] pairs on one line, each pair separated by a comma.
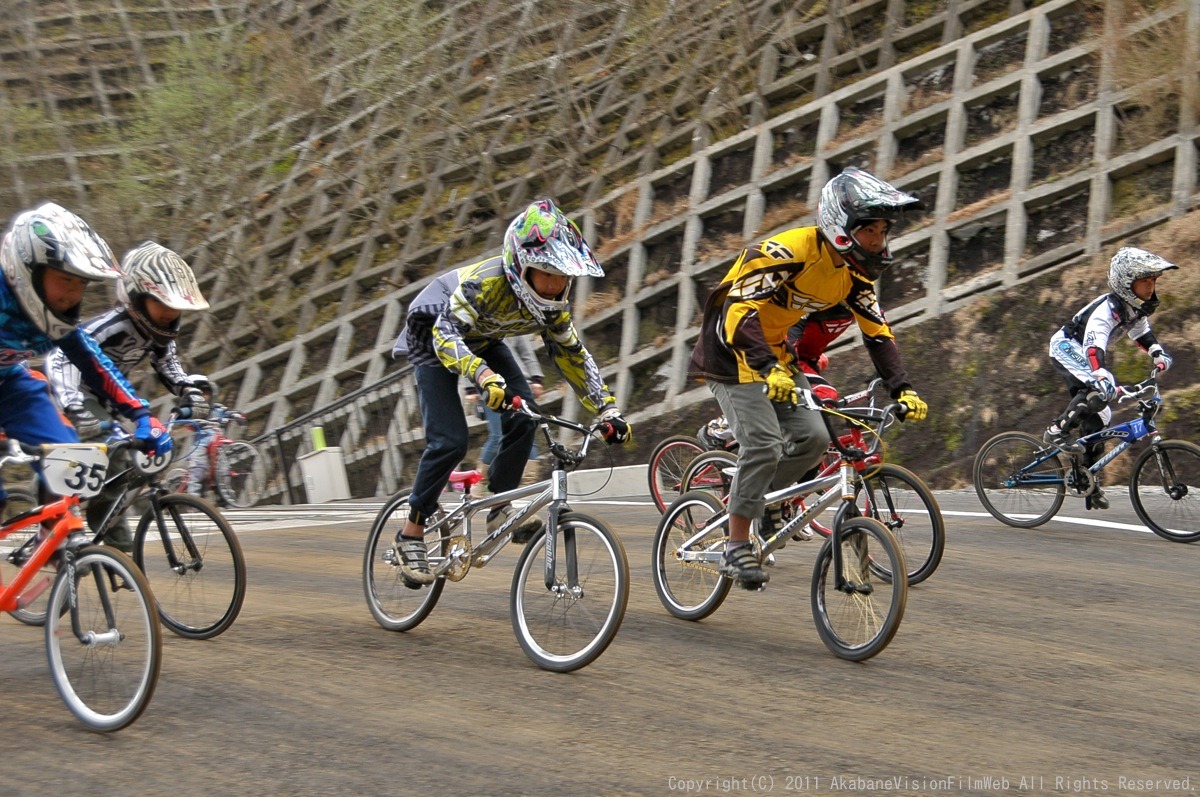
[[464, 311]]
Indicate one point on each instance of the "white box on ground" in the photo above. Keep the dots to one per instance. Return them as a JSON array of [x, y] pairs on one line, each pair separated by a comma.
[[324, 475]]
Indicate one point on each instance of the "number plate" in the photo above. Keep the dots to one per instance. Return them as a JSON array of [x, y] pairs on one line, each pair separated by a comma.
[[150, 463], [75, 469]]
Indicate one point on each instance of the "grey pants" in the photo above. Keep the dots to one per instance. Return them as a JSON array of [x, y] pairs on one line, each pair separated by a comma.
[[777, 444]]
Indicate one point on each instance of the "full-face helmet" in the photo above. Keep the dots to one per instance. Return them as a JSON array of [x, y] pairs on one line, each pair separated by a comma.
[[1128, 266], [50, 236], [852, 199], [543, 238], [154, 270]]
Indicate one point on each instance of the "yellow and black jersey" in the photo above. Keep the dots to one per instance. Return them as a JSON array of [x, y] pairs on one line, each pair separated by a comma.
[[772, 286], [464, 311]]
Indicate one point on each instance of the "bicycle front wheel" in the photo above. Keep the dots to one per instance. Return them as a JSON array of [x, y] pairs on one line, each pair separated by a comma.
[[103, 639], [194, 561], [16, 547], [1019, 479], [567, 625], [898, 499], [1165, 490], [858, 614], [688, 547], [668, 462], [396, 603], [241, 474]]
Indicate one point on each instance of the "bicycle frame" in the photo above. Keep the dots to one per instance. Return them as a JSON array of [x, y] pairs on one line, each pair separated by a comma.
[[1127, 432], [550, 493], [13, 596]]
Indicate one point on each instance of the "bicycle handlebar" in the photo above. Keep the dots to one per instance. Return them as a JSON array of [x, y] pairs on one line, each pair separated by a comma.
[[557, 448]]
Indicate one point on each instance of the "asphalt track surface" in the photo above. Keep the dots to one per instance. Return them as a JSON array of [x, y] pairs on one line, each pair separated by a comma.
[[1060, 660]]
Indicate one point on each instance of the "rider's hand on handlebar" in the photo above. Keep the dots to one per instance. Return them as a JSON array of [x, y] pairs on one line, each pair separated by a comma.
[[615, 428], [495, 393], [916, 408], [193, 404], [780, 386], [1162, 360], [152, 436]]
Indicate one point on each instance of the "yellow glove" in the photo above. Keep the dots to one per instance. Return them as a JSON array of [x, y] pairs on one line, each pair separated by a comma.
[[917, 409], [494, 393], [780, 386]]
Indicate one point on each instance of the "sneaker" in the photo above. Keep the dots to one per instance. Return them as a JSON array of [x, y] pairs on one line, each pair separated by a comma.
[[1062, 440], [414, 561], [522, 533], [1097, 500], [743, 567]]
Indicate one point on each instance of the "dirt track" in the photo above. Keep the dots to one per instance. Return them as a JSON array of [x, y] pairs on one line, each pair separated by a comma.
[[1062, 659]]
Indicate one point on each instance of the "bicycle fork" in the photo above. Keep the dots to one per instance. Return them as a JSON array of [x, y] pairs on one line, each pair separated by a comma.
[[558, 503], [842, 582]]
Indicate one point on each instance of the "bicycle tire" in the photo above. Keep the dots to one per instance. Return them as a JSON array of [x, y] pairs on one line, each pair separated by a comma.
[[395, 605], [202, 600], [22, 500], [904, 504], [690, 590], [859, 623], [108, 680], [241, 474], [1164, 488], [1018, 480], [667, 465], [564, 629], [709, 472]]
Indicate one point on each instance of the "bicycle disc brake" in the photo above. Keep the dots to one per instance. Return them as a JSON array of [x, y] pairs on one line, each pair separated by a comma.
[[458, 554]]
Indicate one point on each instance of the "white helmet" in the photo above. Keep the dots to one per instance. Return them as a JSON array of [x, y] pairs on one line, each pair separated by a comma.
[[50, 236], [852, 199], [543, 238], [1128, 266], [154, 270]]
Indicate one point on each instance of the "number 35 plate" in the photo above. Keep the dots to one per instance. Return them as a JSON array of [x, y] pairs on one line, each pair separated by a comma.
[[75, 470]]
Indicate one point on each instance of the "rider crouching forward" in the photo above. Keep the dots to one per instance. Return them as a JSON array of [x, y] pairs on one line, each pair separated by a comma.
[[743, 353]]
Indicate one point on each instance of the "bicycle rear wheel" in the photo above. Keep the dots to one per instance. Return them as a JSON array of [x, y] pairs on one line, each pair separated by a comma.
[[857, 620], [1165, 490], [103, 639], [668, 462], [241, 474], [898, 499], [1019, 479], [687, 553], [13, 550], [396, 603], [194, 561], [711, 472], [568, 625]]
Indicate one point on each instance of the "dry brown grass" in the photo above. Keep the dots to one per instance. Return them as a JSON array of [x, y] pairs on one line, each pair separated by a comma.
[[599, 301], [977, 207], [783, 213]]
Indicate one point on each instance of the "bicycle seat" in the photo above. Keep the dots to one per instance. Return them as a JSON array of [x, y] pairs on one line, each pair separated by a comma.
[[465, 479]]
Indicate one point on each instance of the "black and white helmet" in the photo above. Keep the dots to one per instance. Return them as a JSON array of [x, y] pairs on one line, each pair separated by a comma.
[[1129, 265], [852, 199], [50, 236], [543, 238], [154, 270]]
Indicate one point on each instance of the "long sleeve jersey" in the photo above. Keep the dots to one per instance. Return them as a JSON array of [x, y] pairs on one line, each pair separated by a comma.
[[21, 339], [1104, 318], [464, 311], [772, 286], [124, 344]]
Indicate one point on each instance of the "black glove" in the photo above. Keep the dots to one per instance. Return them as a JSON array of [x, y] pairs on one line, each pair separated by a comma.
[[615, 428], [87, 426], [193, 404]]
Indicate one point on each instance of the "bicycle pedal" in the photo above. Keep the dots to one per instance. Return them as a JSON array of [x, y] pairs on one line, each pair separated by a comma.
[[802, 534], [752, 586], [770, 560]]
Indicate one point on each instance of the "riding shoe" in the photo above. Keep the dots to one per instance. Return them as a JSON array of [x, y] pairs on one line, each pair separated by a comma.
[[742, 565]]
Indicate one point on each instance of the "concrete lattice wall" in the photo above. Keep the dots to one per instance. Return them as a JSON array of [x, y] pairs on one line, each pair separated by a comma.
[[1006, 120]]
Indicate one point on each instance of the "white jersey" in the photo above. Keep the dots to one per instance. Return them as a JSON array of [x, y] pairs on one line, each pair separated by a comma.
[[120, 339], [1080, 345]]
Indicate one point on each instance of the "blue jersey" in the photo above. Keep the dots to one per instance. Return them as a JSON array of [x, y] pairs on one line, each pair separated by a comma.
[[21, 339]]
